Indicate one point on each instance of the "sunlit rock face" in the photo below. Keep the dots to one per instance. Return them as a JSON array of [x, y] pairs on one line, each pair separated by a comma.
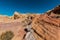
[[33, 26], [47, 26]]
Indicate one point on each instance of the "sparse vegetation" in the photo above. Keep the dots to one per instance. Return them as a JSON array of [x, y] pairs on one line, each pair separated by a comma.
[[7, 35]]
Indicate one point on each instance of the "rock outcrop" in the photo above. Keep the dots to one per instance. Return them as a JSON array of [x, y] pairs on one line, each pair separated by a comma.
[[33, 26], [47, 26]]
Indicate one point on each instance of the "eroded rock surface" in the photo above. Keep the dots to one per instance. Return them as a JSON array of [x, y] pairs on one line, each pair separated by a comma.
[[33, 26]]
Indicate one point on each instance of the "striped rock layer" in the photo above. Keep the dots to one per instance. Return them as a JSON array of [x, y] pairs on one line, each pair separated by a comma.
[[33, 26]]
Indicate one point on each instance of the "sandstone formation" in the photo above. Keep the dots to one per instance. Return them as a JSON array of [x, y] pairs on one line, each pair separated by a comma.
[[33, 26]]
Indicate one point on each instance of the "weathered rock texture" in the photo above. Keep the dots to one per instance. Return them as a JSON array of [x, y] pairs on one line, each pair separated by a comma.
[[33, 26]]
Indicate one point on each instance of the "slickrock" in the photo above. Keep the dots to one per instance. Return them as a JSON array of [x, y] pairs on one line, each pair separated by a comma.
[[47, 26], [33, 26]]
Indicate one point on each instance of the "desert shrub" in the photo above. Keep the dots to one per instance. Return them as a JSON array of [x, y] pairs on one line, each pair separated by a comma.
[[8, 35]]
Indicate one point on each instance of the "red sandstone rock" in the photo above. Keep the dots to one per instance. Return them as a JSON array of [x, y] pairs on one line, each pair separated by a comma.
[[45, 26]]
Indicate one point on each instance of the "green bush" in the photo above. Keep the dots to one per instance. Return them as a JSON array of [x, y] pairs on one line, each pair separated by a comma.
[[7, 35]]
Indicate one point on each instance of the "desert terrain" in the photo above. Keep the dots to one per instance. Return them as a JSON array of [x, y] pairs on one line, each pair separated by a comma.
[[44, 26]]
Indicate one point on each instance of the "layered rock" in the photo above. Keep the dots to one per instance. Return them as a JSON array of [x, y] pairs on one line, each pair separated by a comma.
[[39, 26], [47, 26]]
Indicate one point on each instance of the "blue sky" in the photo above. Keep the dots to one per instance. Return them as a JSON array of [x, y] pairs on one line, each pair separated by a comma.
[[8, 7]]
